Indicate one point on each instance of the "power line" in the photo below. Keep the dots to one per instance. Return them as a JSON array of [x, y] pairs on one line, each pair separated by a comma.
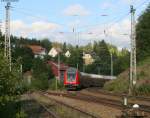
[[115, 20], [28, 13], [140, 5]]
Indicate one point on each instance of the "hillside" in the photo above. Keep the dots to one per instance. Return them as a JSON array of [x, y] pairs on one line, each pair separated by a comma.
[[121, 84]]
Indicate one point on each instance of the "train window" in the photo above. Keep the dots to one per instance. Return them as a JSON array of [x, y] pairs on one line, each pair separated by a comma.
[[71, 77]]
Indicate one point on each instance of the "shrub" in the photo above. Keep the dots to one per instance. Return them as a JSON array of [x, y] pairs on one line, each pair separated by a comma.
[[52, 84], [39, 84], [118, 85], [143, 89]]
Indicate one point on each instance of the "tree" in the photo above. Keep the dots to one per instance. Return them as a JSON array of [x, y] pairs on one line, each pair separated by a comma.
[[121, 61], [102, 58], [46, 44], [26, 57], [64, 47], [41, 74], [75, 58], [143, 35], [9, 89], [1, 40]]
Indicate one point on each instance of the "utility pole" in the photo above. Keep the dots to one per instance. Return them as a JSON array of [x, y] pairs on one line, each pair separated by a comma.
[[133, 75], [77, 45], [58, 65], [112, 71]]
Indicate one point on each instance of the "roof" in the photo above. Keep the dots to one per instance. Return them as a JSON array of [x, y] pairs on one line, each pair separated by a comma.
[[57, 49], [36, 49], [54, 67], [62, 65]]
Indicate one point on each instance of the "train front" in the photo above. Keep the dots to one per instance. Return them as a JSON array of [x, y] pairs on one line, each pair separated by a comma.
[[71, 78]]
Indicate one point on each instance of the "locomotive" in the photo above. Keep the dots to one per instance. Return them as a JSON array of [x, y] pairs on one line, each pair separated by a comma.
[[74, 79]]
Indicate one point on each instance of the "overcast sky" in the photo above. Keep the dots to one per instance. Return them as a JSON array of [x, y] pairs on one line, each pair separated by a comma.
[[90, 19]]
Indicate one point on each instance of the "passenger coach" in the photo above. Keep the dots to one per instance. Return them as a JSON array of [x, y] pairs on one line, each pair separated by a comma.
[[74, 79]]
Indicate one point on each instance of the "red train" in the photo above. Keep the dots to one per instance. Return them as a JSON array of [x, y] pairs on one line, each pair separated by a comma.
[[74, 79]]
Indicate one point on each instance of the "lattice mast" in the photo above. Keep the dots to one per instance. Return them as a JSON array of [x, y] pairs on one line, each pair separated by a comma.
[[133, 75], [7, 51]]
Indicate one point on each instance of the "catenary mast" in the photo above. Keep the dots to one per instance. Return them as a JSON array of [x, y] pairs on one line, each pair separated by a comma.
[[7, 49]]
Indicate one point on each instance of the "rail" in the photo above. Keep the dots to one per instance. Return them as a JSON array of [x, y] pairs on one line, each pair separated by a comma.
[[107, 102], [69, 106]]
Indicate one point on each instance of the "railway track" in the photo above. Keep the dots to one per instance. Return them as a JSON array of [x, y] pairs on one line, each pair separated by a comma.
[[97, 90], [51, 114], [107, 102], [66, 105]]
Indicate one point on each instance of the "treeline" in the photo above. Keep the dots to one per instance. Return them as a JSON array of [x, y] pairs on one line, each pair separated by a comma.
[[143, 35], [100, 51]]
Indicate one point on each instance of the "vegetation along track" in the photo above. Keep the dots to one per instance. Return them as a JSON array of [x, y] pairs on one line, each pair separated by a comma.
[[66, 105], [105, 101]]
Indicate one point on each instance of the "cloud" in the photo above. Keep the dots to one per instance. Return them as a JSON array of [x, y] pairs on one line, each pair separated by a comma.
[[106, 5], [36, 29], [76, 9], [118, 34], [41, 29], [131, 1]]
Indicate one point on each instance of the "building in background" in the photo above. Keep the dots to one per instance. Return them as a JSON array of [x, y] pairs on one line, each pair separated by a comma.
[[38, 51], [54, 52], [68, 54], [54, 66], [88, 59]]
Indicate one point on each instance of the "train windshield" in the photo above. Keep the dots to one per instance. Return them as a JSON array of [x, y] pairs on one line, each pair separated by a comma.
[[71, 77]]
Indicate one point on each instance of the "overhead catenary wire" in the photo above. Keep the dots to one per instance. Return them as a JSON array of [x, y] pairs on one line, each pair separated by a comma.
[[114, 21], [28, 13]]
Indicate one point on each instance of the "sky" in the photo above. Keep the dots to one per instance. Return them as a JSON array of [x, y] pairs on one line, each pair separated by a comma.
[[74, 21]]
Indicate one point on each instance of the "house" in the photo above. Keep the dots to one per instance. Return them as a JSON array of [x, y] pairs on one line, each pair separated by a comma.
[[56, 69], [54, 52], [68, 54], [88, 59], [38, 51]]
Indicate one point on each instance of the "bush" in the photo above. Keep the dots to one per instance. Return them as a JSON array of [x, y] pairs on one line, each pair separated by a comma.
[[10, 89], [52, 84], [118, 85], [39, 84], [21, 114], [143, 89]]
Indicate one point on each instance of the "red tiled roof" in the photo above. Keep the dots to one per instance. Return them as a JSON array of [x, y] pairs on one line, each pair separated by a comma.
[[36, 49], [54, 67]]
